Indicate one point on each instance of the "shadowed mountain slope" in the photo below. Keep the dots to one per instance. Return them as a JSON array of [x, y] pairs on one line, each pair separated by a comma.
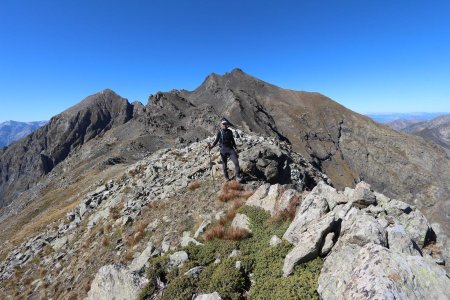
[[436, 130]]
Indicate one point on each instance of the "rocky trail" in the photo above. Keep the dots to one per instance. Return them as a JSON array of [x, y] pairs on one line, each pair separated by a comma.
[[161, 231]]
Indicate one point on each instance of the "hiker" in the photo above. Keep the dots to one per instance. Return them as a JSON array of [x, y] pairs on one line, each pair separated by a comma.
[[227, 148]]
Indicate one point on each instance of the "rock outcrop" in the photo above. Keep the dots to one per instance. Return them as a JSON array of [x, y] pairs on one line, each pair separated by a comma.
[[116, 282], [23, 163]]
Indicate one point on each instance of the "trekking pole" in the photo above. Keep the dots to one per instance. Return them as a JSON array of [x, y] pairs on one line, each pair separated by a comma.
[[211, 168]]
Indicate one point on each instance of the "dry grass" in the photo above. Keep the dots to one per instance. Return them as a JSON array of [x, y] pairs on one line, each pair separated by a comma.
[[105, 241], [433, 248], [222, 230], [137, 233], [235, 234], [233, 190], [115, 211], [194, 185], [127, 257], [288, 213], [230, 233], [87, 286], [217, 231]]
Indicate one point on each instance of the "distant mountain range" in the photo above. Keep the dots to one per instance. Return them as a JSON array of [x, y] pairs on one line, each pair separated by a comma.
[[417, 116], [434, 127], [436, 130], [11, 131]]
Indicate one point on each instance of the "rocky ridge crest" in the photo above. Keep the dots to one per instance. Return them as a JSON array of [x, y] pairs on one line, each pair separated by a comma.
[[352, 230]]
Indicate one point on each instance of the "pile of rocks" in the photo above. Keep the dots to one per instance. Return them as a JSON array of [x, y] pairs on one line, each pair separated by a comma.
[[162, 176], [373, 246]]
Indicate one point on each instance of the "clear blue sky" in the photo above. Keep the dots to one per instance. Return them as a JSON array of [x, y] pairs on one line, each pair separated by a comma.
[[371, 56]]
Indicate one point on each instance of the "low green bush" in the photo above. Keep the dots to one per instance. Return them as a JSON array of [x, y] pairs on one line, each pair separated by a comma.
[[180, 288], [257, 257]]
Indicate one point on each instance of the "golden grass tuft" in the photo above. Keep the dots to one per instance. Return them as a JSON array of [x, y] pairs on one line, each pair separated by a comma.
[[194, 185], [216, 231], [105, 241], [233, 190], [137, 233], [288, 213], [235, 234]]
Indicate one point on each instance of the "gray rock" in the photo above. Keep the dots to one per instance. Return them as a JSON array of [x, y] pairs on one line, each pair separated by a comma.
[[235, 253], [265, 197], [186, 240], [414, 222], [286, 198], [271, 171], [380, 273], [194, 272], [201, 228], [400, 241], [361, 229], [139, 262], [213, 296], [274, 241], [309, 243], [115, 282], [362, 195], [328, 244], [57, 244], [241, 221], [311, 209], [177, 259]]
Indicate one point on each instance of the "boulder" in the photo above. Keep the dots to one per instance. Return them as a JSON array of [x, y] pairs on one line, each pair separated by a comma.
[[328, 244], [116, 282], [361, 229], [286, 199], [309, 243], [177, 259], [379, 273], [362, 195], [274, 240], [311, 209], [400, 241], [267, 202], [413, 221], [194, 272], [186, 240], [241, 221], [139, 262]]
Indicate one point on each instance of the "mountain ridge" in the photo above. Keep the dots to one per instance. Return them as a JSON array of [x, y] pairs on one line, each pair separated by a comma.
[[99, 139]]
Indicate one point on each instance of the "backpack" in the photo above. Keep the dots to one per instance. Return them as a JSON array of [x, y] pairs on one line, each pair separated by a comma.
[[226, 137]]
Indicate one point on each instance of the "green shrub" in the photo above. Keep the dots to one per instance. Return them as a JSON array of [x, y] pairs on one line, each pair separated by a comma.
[[302, 284], [156, 269], [206, 254], [257, 257], [228, 281], [180, 288]]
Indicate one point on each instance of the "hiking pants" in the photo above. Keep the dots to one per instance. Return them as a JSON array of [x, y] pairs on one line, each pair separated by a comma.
[[226, 152]]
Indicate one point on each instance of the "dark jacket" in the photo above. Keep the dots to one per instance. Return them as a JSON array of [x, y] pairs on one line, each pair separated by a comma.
[[226, 139]]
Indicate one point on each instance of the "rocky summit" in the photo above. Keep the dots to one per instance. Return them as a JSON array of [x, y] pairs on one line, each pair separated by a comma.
[[119, 200]]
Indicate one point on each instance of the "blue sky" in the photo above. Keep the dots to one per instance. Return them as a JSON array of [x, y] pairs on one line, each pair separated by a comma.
[[371, 56]]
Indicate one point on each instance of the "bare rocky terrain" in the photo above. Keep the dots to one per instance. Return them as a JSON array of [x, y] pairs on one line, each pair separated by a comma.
[[82, 193], [436, 130]]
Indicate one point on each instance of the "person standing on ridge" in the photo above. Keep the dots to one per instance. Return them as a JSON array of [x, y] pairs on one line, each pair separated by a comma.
[[228, 148]]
